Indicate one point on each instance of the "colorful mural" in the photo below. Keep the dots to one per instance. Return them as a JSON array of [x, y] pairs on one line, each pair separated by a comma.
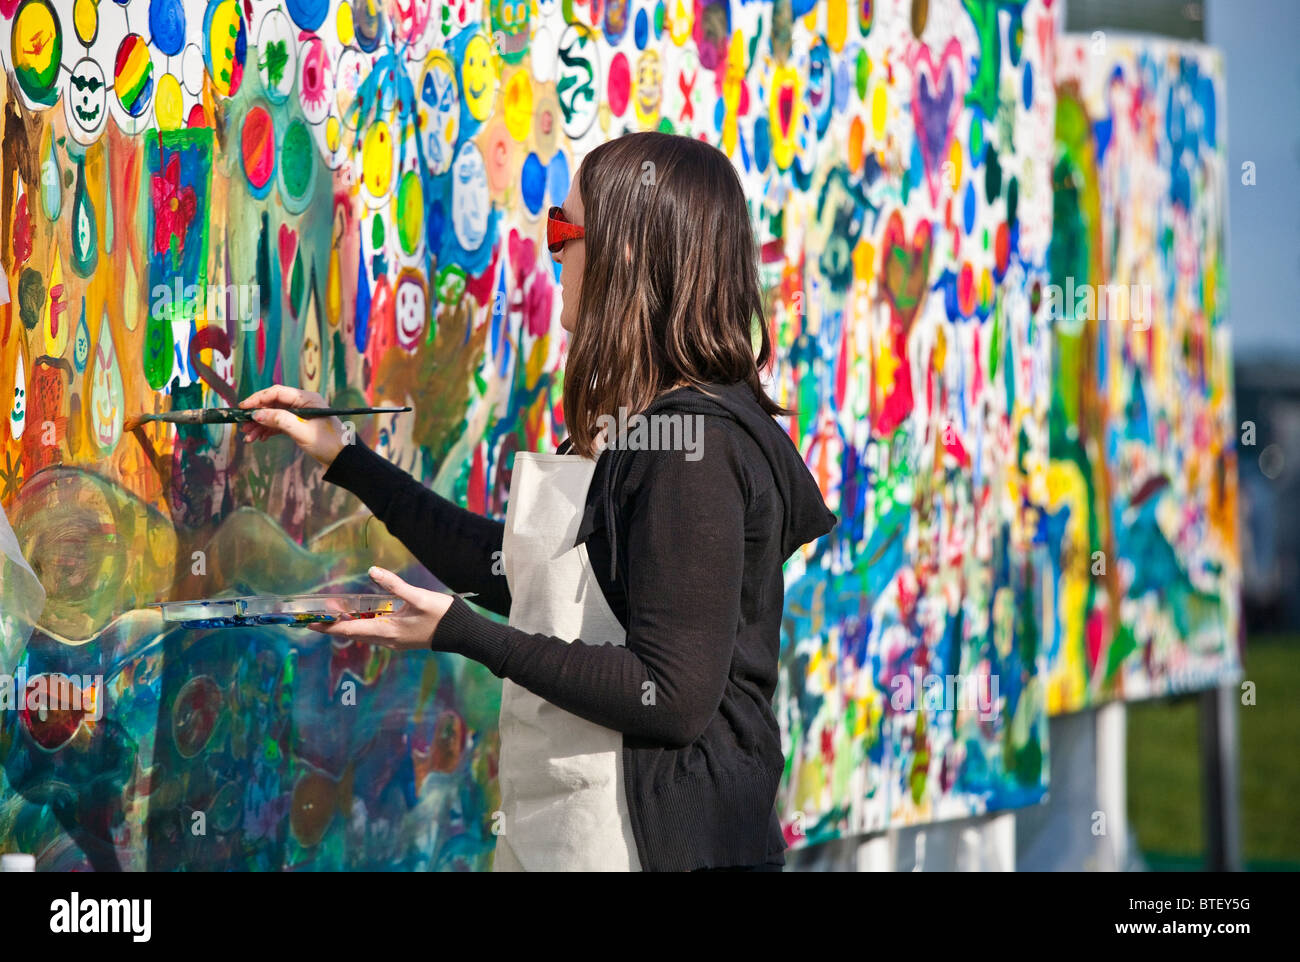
[[1143, 481], [908, 245], [205, 198]]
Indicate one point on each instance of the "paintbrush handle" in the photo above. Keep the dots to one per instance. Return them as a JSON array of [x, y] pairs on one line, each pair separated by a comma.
[[240, 415]]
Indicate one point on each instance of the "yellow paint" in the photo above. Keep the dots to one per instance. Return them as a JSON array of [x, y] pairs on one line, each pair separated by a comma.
[[333, 134], [837, 24], [864, 262], [377, 159], [345, 25], [223, 30], [1067, 688], [85, 20], [334, 290], [681, 21], [879, 110], [954, 158], [519, 105], [56, 331], [733, 79], [169, 104], [783, 140]]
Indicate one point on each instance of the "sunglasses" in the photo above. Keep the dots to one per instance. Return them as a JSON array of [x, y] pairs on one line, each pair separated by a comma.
[[559, 230]]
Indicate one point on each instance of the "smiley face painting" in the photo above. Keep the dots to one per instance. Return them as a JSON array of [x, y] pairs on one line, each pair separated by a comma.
[[349, 197]]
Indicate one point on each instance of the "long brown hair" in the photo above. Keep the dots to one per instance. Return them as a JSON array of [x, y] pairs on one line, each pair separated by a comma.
[[670, 290]]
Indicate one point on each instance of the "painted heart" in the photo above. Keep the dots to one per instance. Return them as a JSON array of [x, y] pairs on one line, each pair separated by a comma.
[[936, 105], [905, 267], [288, 247]]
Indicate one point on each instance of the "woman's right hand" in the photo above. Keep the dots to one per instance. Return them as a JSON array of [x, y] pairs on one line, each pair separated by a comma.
[[322, 438]]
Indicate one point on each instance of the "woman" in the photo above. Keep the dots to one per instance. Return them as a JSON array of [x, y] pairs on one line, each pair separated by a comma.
[[643, 587]]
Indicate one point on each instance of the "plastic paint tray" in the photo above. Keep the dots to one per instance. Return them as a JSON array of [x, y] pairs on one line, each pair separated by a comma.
[[256, 610]]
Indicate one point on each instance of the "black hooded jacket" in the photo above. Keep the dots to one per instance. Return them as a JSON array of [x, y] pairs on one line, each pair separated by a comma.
[[688, 547]]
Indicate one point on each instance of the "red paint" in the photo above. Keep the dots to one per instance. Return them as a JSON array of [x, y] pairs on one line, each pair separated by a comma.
[[620, 84], [22, 233], [258, 142], [174, 206], [476, 494]]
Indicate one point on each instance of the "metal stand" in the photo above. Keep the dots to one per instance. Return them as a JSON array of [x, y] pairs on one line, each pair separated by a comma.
[[1218, 731]]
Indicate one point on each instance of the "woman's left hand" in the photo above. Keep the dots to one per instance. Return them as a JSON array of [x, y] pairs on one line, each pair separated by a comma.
[[410, 628]]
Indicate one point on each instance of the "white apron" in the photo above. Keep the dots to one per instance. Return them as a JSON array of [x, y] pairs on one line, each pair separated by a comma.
[[561, 776]]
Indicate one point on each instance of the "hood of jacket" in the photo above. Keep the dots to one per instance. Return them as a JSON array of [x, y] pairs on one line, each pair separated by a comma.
[[806, 515]]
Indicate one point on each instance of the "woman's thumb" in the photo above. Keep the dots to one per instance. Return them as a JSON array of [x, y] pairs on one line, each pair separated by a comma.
[[392, 583]]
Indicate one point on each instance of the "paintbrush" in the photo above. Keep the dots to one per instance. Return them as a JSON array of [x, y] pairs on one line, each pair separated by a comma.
[[240, 415]]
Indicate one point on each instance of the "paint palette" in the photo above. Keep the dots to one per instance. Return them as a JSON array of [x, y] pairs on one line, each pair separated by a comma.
[[257, 610]]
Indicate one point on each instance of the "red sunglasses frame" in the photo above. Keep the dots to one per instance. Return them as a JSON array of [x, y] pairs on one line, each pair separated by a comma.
[[560, 231]]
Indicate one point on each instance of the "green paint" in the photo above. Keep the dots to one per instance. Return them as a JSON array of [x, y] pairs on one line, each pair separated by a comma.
[[275, 59], [297, 159]]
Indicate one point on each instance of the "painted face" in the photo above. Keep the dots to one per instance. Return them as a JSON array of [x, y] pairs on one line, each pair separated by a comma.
[[479, 77], [86, 101], [106, 391], [18, 410], [649, 88], [310, 368], [410, 303], [469, 198], [439, 112], [510, 28]]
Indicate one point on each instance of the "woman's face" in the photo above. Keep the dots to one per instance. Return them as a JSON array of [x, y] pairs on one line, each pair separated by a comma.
[[571, 259]]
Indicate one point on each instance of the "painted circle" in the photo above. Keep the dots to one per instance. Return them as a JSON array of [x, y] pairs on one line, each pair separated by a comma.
[[133, 75], [410, 212], [518, 105], [578, 75], [167, 26], [620, 83], [308, 14], [257, 147], [36, 47], [85, 20], [470, 200], [297, 165], [195, 714], [314, 80], [277, 55], [192, 69], [439, 112], [227, 45], [169, 104], [377, 160]]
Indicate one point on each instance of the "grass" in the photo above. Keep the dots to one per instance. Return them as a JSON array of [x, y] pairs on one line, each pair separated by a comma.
[[1164, 768]]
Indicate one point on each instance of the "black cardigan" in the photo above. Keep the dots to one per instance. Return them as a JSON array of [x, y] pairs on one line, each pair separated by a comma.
[[690, 560]]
